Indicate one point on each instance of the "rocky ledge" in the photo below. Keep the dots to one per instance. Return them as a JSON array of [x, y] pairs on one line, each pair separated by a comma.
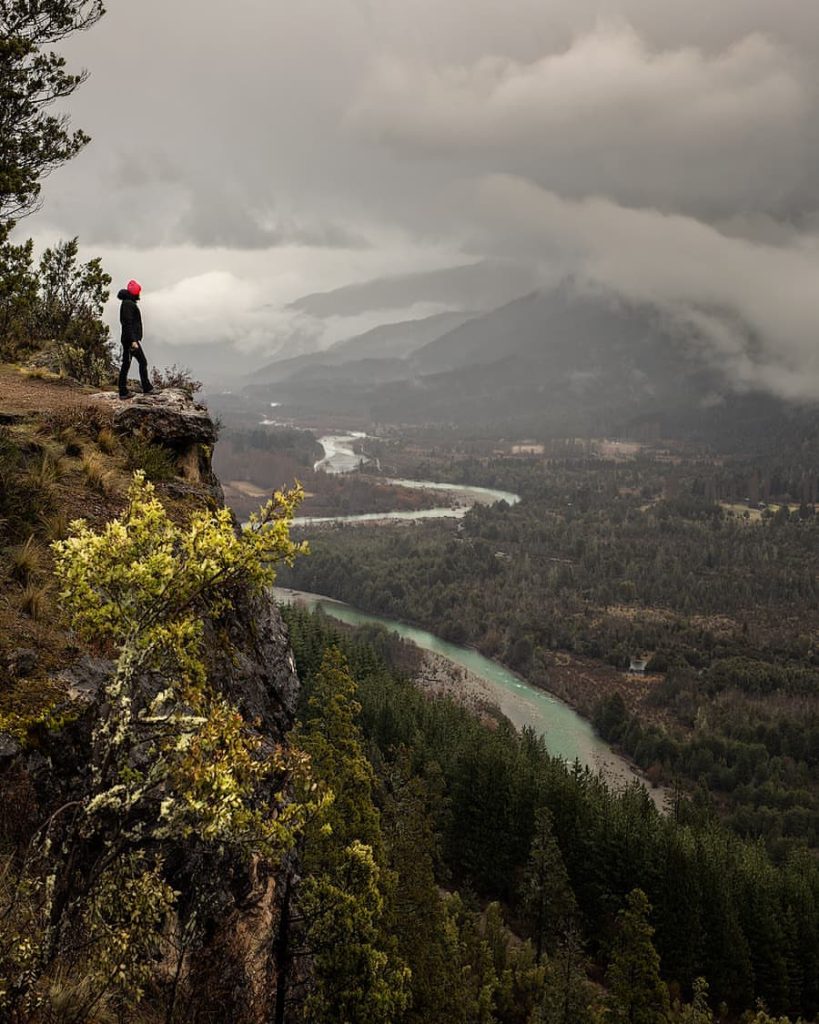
[[170, 418], [249, 657]]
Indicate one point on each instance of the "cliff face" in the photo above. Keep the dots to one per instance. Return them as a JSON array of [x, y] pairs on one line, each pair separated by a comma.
[[248, 652], [50, 691], [255, 669]]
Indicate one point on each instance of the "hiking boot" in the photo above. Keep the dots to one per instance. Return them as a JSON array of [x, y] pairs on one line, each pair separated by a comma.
[[125, 398]]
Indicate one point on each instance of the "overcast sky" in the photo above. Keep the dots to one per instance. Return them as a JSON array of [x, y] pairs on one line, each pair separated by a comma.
[[245, 155]]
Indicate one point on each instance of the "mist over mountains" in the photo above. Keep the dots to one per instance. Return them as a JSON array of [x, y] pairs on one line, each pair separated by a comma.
[[667, 154], [381, 344], [559, 361]]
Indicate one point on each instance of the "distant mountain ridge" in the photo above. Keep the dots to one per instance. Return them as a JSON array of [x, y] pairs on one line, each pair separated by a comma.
[[558, 362], [482, 285], [387, 341]]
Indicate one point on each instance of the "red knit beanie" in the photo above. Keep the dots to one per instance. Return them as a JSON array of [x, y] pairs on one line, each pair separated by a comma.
[[134, 287]]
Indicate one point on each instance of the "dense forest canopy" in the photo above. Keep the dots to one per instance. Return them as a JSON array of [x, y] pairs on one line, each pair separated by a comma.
[[566, 858]]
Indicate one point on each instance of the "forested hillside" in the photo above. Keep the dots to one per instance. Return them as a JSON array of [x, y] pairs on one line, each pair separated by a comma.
[[586, 876], [609, 561], [428, 867]]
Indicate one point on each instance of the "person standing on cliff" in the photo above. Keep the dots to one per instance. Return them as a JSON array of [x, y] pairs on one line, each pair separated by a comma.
[[131, 320]]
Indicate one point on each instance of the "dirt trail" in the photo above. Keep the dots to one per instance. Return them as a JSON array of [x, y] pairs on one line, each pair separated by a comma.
[[22, 394]]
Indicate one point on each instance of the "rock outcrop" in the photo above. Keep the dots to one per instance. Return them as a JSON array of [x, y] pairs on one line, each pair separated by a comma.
[[249, 651], [173, 419]]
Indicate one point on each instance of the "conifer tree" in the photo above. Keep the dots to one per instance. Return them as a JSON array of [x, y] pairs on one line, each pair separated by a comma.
[[354, 979], [69, 312], [33, 77], [416, 914], [726, 953], [353, 973], [547, 896], [698, 1010], [762, 923], [637, 994], [332, 738], [568, 996], [18, 296], [762, 1017], [520, 985], [475, 964]]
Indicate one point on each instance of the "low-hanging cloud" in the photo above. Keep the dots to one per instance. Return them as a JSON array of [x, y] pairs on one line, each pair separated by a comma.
[[478, 286], [755, 306], [219, 309], [207, 309]]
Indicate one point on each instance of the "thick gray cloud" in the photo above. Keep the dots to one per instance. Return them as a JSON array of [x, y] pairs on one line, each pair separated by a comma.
[[678, 128], [247, 156]]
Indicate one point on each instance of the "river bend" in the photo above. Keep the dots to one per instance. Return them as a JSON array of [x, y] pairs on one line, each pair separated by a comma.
[[566, 733]]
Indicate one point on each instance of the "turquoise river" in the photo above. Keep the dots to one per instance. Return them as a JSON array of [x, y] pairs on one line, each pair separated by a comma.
[[566, 733]]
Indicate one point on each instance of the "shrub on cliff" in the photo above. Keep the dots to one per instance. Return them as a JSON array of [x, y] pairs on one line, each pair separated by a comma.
[[173, 766], [176, 377], [156, 461], [69, 313]]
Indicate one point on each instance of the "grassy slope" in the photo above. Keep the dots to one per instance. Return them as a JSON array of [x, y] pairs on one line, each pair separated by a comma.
[[59, 461]]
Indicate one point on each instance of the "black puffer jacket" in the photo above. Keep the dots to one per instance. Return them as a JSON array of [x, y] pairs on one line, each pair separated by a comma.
[[130, 317]]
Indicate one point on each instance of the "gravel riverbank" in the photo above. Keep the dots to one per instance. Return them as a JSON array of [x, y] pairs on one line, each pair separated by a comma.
[[439, 677]]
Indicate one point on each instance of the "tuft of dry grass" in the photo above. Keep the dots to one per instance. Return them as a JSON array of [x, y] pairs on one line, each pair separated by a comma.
[[72, 442], [97, 477], [107, 440], [25, 561], [25, 484], [86, 420], [46, 471], [71, 998], [54, 526], [39, 373], [34, 602]]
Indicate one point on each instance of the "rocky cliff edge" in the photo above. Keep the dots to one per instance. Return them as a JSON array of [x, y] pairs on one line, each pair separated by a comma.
[[78, 445]]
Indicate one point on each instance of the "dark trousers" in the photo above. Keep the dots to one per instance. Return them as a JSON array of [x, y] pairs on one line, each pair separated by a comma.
[[128, 354]]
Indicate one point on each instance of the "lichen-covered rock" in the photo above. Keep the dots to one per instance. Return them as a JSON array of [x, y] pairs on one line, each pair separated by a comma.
[[173, 419], [85, 678], [21, 663], [248, 657], [252, 662], [9, 747], [169, 417]]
